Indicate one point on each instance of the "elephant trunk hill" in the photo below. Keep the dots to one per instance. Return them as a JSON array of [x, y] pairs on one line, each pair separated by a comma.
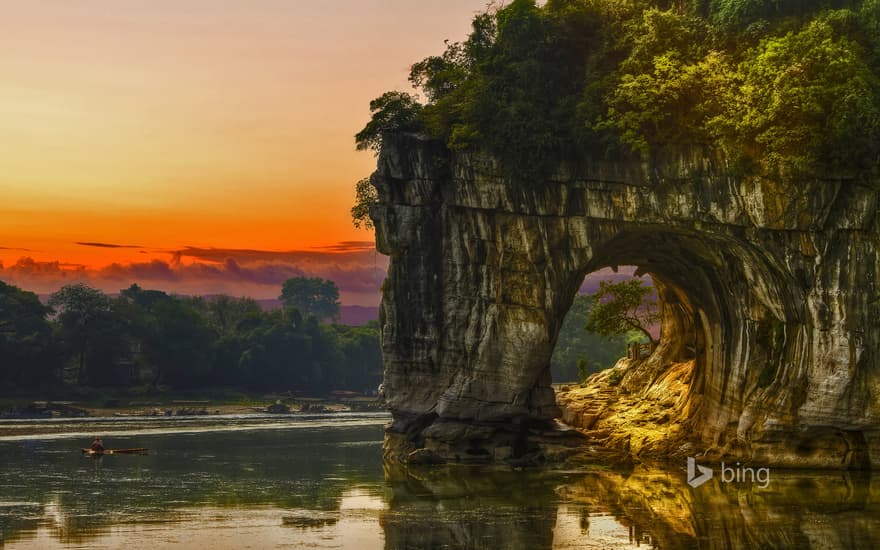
[[769, 297]]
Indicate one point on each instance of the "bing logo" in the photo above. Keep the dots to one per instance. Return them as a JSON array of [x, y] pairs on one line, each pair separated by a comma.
[[729, 474]]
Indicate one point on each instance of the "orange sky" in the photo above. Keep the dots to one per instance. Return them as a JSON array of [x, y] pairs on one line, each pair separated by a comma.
[[193, 123]]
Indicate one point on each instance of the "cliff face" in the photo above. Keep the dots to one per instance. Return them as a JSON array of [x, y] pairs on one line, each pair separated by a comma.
[[769, 289]]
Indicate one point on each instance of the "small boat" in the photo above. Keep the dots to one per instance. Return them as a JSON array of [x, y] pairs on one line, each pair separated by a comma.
[[90, 452]]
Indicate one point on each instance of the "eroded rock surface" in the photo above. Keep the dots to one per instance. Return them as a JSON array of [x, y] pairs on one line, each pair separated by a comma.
[[769, 289]]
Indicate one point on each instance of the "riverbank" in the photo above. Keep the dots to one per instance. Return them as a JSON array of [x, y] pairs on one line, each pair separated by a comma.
[[134, 427], [171, 403]]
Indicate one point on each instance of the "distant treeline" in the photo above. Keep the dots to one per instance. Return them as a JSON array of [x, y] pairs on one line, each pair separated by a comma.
[[84, 337]]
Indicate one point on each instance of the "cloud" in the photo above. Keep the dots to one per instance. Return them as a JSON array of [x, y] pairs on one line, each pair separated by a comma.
[[107, 245], [339, 252], [241, 272], [348, 246]]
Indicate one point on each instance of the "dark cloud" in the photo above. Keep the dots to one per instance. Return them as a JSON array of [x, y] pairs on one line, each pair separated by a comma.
[[355, 266], [16, 249], [230, 271], [348, 246], [345, 251], [27, 265], [107, 245]]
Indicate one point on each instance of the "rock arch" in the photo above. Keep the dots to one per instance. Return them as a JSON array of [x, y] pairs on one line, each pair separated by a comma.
[[771, 287]]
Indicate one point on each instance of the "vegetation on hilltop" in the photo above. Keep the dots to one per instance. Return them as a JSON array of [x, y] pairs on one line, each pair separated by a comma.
[[783, 89]]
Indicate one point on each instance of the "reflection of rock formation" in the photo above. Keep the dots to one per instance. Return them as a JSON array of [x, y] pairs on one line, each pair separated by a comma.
[[797, 510], [460, 508], [770, 287]]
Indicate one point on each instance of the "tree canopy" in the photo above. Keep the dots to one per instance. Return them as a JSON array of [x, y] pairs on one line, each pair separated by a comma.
[[312, 296], [623, 307], [92, 339], [27, 349], [777, 88]]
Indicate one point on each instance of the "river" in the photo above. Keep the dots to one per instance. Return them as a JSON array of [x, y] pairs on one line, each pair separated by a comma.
[[319, 482]]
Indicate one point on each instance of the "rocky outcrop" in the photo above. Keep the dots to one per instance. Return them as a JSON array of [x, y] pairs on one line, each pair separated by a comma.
[[769, 288]]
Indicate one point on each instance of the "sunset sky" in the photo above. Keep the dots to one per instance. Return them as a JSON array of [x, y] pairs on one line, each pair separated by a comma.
[[198, 146]]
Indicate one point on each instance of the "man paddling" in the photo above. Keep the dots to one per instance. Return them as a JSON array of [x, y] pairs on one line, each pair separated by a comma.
[[97, 445]]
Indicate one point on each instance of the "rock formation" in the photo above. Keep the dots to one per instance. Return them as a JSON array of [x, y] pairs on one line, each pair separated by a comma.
[[769, 288]]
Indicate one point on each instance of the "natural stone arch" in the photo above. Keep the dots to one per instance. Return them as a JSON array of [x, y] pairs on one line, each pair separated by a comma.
[[715, 291], [776, 282]]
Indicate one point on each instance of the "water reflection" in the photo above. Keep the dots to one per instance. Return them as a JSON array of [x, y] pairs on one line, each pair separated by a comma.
[[461, 507], [798, 509], [327, 487], [645, 508]]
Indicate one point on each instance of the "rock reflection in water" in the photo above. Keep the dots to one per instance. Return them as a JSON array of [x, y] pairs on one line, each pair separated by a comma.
[[459, 507], [797, 509]]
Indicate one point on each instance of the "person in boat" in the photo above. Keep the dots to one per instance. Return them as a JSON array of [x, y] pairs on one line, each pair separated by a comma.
[[97, 445]]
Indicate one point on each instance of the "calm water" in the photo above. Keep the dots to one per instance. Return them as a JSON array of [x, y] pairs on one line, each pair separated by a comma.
[[252, 482]]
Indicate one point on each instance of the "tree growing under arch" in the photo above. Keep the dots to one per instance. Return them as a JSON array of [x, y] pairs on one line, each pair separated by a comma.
[[620, 308]]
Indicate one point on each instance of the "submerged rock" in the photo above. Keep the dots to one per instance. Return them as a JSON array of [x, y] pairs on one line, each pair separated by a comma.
[[310, 519], [278, 408], [769, 288], [424, 456]]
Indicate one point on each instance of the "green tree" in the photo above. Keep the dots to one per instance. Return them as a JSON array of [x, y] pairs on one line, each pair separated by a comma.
[[806, 101], [365, 197], [83, 314], [27, 352], [224, 313], [311, 296], [362, 364], [619, 308], [391, 111], [583, 370], [179, 343]]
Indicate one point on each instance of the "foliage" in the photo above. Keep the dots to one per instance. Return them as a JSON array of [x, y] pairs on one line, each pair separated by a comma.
[[89, 331], [575, 345], [363, 355], [615, 377], [311, 296], [583, 370], [801, 96], [741, 13], [178, 343], [26, 346], [620, 308], [778, 88], [365, 196], [390, 111], [182, 342]]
